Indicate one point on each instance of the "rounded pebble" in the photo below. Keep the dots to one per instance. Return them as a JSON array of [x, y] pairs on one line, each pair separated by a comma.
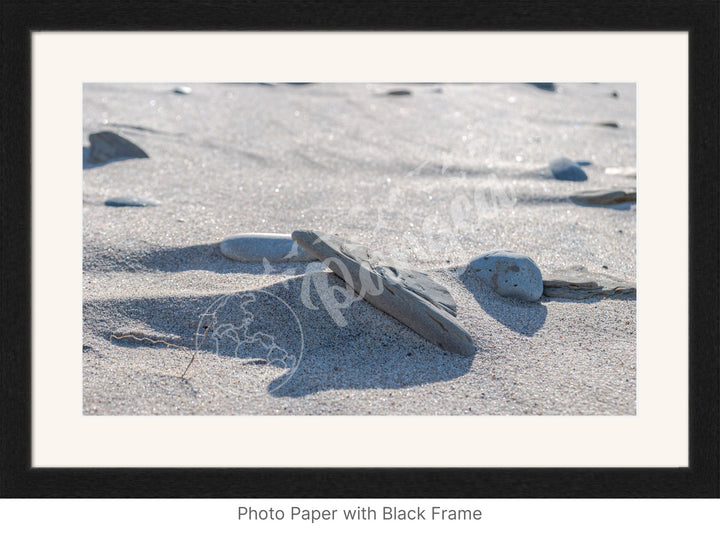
[[509, 274], [567, 169], [256, 247], [131, 201], [182, 90]]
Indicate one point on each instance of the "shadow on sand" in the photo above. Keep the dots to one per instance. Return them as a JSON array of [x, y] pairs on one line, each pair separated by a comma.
[[522, 317], [202, 257], [273, 324]]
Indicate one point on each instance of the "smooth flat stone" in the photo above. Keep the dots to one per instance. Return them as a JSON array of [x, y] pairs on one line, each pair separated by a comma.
[[107, 146], [604, 197], [131, 201], [408, 295], [509, 274], [579, 283], [256, 247], [608, 124], [567, 169]]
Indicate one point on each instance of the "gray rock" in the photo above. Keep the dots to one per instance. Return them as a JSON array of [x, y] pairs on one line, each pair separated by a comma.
[[579, 283], [256, 247], [107, 146], [545, 86], [399, 93], [131, 201], [182, 90], [408, 295], [604, 197], [567, 169], [509, 274]]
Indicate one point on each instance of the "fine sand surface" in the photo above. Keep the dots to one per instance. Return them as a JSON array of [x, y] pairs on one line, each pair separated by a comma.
[[435, 178]]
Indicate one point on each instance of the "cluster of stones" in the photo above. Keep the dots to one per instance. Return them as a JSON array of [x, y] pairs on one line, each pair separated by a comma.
[[412, 296], [409, 296], [418, 301]]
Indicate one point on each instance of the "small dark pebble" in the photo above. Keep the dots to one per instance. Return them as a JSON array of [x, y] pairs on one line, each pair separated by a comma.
[[583, 163], [609, 124], [615, 94], [567, 169], [545, 86], [399, 93], [131, 201], [605, 267]]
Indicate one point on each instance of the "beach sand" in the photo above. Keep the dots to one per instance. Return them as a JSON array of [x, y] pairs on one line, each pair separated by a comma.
[[435, 178]]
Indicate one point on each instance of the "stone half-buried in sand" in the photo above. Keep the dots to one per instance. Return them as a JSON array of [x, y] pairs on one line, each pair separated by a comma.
[[604, 197], [579, 283], [108, 146], [409, 296], [509, 274]]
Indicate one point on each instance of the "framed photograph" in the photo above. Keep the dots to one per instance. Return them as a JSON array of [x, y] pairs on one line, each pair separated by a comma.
[[431, 259]]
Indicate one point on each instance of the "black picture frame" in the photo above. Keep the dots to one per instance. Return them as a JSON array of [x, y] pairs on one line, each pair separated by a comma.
[[700, 18]]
